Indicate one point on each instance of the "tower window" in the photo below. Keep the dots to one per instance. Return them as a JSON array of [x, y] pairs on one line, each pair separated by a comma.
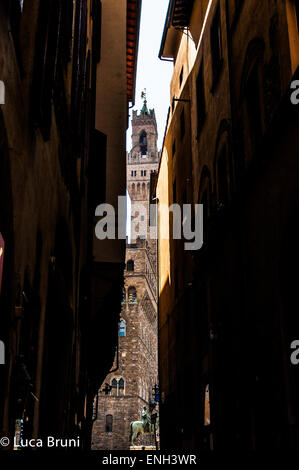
[[130, 265], [143, 143], [121, 387], [118, 387], [122, 328], [132, 295], [114, 387], [109, 423]]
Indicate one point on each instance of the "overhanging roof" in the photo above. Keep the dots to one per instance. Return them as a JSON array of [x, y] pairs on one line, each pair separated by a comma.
[[177, 18], [133, 25]]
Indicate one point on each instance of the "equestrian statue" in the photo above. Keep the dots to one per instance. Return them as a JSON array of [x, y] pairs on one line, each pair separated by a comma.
[[145, 426]]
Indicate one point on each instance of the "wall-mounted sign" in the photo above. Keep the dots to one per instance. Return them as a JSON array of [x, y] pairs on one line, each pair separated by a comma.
[[1, 259]]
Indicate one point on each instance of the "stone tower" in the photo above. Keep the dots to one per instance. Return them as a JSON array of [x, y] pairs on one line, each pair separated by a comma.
[[129, 386], [142, 162]]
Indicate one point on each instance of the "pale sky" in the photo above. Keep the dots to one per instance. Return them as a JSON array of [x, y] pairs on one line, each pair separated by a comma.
[[152, 73]]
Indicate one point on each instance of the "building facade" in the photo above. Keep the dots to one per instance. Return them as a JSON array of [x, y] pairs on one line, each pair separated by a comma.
[[134, 375], [231, 143], [55, 168]]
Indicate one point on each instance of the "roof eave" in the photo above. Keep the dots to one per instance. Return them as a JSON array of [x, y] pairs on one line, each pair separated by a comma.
[[166, 27], [133, 15], [174, 25]]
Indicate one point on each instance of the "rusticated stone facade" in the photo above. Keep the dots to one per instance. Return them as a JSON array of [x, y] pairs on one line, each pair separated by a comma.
[[134, 373]]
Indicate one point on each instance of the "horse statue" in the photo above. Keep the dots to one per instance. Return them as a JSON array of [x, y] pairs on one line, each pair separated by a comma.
[[141, 427]]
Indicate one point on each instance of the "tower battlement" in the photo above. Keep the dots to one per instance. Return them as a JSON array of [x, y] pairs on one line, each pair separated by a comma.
[[144, 157], [144, 117]]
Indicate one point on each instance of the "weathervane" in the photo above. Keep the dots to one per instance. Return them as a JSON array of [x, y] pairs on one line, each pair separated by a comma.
[[143, 94], [144, 108]]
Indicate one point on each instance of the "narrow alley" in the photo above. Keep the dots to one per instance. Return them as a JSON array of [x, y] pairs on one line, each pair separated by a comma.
[[148, 235]]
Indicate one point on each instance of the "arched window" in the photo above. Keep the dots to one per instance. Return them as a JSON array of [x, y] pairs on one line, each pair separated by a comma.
[[118, 387], [114, 387], [121, 387], [132, 295], [143, 143], [109, 423], [130, 265], [122, 328]]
